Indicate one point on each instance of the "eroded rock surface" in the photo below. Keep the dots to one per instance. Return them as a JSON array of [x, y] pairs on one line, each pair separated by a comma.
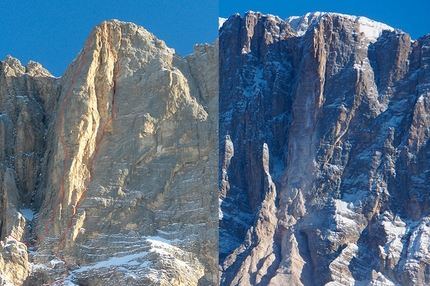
[[342, 104], [141, 185]]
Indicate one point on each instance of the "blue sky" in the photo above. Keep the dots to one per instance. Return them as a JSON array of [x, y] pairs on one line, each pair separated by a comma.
[[53, 32], [411, 16]]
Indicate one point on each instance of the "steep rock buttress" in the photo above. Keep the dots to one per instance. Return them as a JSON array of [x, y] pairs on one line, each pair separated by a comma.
[[341, 102], [122, 191]]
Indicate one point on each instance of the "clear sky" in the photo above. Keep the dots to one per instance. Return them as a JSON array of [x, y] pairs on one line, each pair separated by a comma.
[[53, 32], [412, 16]]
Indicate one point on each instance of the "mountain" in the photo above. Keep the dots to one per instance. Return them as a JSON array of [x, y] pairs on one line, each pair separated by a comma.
[[324, 152], [108, 173]]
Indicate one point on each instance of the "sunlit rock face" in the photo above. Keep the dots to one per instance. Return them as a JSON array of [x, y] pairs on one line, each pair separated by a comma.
[[324, 165], [117, 159]]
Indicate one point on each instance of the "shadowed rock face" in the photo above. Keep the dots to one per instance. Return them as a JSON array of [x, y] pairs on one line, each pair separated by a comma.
[[341, 104], [26, 95], [149, 213]]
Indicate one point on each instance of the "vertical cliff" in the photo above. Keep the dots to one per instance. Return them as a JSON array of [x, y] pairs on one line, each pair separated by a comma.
[[27, 94], [108, 172], [341, 105]]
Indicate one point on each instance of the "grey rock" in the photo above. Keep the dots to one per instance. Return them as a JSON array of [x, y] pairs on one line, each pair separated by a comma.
[[143, 194], [342, 104]]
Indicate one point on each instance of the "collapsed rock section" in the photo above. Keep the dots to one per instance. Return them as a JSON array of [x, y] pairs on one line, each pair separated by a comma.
[[341, 102]]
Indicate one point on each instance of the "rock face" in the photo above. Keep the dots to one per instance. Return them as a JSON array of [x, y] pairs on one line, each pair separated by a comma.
[[107, 173], [341, 104]]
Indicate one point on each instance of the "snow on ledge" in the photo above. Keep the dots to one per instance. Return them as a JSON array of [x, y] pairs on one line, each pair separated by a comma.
[[114, 261]]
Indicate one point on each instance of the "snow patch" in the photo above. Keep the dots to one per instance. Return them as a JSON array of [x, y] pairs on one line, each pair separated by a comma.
[[395, 229], [346, 220], [372, 29], [220, 213], [380, 280], [221, 22], [28, 214], [159, 241], [115, 261], [301, 23]]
